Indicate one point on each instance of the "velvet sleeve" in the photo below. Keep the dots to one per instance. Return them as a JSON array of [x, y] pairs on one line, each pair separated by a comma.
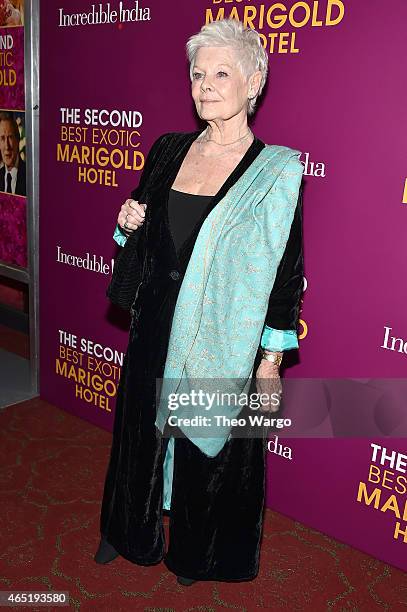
[[281, 322], [119, 236]]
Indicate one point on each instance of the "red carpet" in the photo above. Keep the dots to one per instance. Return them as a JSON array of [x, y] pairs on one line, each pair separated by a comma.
[[52, 473]]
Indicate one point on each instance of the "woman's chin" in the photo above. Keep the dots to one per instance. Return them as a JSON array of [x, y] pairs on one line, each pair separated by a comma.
[[208, 115], [208, 110]]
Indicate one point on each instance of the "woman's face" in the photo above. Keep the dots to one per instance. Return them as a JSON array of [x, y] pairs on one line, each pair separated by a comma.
[[219, 89]]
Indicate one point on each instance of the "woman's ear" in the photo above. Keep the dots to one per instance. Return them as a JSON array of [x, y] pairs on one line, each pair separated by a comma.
[[254, 84]]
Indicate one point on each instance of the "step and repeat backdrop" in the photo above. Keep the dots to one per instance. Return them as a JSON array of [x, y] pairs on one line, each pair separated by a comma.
[[114, 76]]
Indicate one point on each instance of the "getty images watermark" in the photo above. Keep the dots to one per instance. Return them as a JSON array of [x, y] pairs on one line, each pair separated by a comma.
[[204, 409], [307, 407]]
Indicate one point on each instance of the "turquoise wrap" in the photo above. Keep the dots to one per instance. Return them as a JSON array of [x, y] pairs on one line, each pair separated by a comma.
[[272, 339], [223, 299]]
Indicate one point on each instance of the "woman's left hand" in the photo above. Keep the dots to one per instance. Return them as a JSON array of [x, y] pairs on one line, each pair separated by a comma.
[[268, 382]]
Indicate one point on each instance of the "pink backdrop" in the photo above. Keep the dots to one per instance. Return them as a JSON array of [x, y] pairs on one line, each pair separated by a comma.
[[337, 93]]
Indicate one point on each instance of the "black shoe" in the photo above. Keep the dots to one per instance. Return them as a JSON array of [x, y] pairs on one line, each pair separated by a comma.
[[185, 581], [105, 553]]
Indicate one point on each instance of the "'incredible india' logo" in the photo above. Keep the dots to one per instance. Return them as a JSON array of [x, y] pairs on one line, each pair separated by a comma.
[[262, 17]]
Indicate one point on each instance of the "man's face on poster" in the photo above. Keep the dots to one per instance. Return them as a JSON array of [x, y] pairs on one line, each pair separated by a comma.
[[8, 143]]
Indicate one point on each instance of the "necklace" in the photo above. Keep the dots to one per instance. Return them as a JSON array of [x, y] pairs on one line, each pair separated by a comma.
[[203, 141]]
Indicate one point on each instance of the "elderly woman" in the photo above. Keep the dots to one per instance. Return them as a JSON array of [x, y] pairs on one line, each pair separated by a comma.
[[211, 267]]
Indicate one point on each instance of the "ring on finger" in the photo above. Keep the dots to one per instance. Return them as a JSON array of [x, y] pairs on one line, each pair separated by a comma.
[[126, 226]]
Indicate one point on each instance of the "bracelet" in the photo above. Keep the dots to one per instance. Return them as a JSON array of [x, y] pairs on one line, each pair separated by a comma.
[[276, 359]]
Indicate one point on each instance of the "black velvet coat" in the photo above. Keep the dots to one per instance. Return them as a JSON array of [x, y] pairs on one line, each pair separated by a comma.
[[217, 503]]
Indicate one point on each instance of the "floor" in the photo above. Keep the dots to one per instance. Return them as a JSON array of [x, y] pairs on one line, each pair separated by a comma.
[[15, 382]]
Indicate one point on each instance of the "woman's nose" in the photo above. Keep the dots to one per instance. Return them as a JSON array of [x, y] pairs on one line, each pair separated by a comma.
[[205, 85]]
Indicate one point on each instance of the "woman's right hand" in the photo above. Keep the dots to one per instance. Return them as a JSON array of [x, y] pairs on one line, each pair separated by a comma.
[[131, 214]]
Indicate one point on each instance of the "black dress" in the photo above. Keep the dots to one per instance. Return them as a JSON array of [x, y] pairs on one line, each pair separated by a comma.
[[217, 503], [184, 211]]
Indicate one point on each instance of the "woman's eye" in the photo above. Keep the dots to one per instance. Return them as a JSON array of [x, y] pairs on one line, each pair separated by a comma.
[[222, 73], [196, 75]]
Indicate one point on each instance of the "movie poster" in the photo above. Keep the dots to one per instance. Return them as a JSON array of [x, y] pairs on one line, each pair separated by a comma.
[[13, 227]]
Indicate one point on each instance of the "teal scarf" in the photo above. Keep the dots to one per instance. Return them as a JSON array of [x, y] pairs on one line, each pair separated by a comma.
[[223, 299]]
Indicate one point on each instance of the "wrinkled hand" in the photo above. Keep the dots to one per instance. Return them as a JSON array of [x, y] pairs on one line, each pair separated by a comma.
[[133, 213], [268, 382]]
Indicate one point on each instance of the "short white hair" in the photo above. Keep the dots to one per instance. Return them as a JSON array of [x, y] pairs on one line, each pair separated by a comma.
[[246, 43]]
